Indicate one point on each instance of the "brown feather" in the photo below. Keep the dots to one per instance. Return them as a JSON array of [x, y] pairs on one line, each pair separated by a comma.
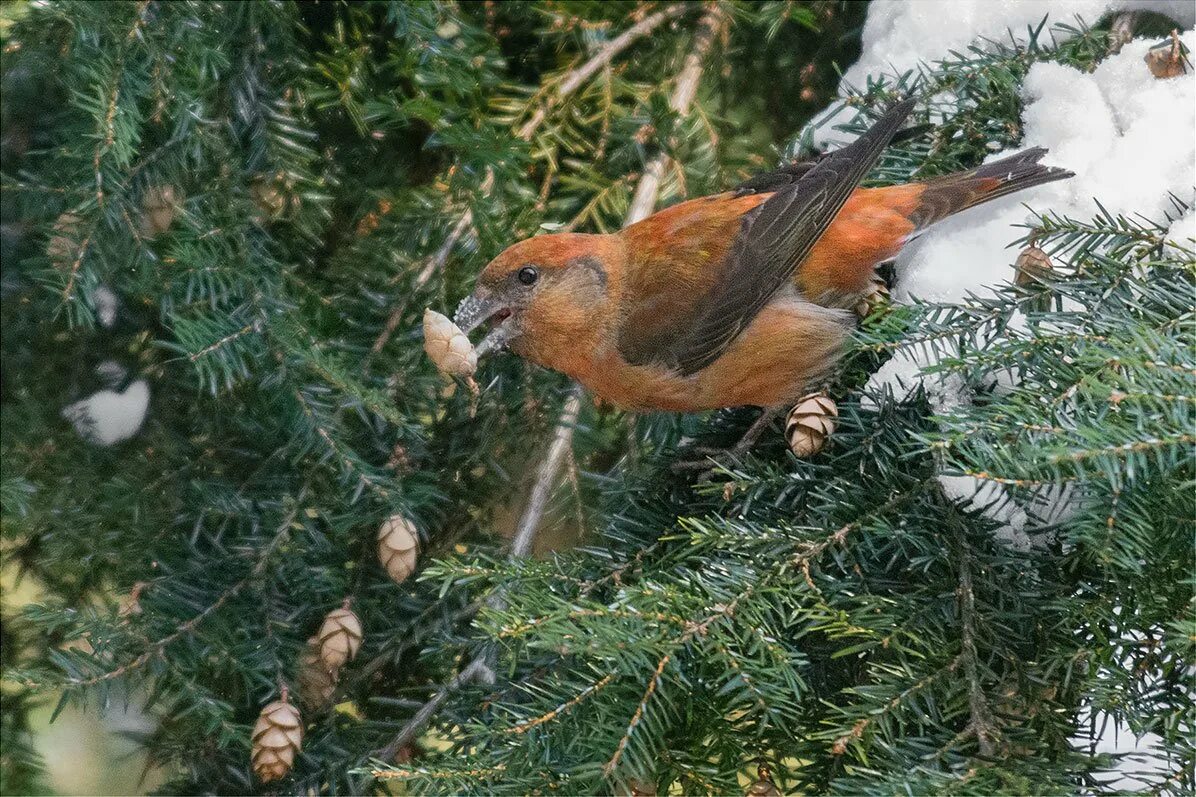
[[675, 259]]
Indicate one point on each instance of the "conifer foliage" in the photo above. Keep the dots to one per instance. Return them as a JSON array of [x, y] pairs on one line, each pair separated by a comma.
[[241, 211]]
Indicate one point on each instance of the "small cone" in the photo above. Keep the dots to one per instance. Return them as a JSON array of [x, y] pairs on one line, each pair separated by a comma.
[[340, 637], [875, 299], [269, 194], [1168, 60], [277, 735], [811, 421], [398, 547], [763, 786], [159, 206], [316, 681], [64, 244], [1032, 266], [447, 346]]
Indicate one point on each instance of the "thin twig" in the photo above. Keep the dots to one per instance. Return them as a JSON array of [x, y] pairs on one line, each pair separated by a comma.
[[981, 716], [187, 627], [434, 264], [648, 190], [577, 78]]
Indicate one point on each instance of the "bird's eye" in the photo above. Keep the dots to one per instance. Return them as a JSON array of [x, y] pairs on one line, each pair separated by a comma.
[[528, 275]]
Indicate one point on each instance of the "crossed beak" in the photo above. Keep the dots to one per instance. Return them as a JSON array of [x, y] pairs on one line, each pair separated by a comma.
[[481, 306]]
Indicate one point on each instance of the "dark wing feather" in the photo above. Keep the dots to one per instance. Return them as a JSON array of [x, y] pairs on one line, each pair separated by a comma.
[[773, 241], [789, 173], [777, 179]]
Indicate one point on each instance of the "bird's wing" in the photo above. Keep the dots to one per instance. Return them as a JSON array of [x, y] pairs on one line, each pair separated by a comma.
[[772, 242], [789, 173]]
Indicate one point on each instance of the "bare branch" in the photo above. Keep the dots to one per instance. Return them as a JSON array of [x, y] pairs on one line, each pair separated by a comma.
[[648, 190], [546, 475], [605, 54], [476, 669]]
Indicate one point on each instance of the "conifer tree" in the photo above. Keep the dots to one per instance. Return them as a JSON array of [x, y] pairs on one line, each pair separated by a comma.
[[228, 218]]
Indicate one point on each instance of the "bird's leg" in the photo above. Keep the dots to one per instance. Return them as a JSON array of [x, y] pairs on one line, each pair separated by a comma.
[[740, 448], [754, 431]]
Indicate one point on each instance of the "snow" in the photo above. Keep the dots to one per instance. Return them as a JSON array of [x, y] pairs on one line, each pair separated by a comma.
[[108, 417], [104, 301], [1127, 136], [898, 34], [1183, 230]]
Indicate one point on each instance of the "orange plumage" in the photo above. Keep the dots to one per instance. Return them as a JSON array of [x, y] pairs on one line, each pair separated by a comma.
[[727, 300]]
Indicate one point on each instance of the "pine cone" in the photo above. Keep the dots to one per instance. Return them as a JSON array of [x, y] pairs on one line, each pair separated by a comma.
[[273, 197], [447, 346], [277, 735], [1032, 266], [398, 547], [763, 785], [340, 637], [1168, 60], [63, 246], [874, 299], [811, 421], [316, 681], [159, 206]]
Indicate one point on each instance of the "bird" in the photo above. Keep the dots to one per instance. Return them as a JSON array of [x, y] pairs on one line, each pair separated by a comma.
[[736, 299]]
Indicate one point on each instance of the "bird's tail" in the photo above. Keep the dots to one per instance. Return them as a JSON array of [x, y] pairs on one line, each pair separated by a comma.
[[944, 196]]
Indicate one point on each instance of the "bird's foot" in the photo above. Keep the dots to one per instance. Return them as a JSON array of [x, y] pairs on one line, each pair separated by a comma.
[[712, 456]]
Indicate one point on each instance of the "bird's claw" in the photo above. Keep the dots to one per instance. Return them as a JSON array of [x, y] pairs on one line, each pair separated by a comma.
[[709, 457]]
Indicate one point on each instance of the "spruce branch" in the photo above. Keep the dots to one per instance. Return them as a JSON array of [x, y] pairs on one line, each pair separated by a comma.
[[609, 767], [334, 448], [108, 132], [187, 627], [563, 708]]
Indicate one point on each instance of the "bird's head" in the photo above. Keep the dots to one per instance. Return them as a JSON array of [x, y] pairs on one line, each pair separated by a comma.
[[541, 291]]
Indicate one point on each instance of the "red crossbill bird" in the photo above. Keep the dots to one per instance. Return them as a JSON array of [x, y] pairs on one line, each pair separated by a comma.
[[734, 299]]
